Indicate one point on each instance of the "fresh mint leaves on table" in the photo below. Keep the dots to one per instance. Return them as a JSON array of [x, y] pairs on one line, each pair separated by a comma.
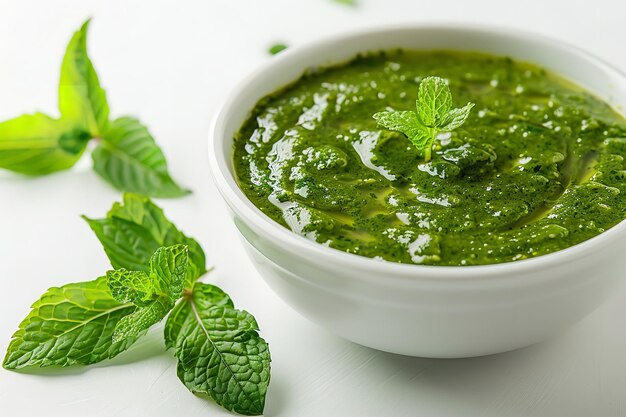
[[434, 115], [218, 348], [126, 154], [277, 48]]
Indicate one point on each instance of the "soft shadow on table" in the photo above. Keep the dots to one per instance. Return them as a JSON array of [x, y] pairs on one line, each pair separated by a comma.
[[527, 381], [574, 374]]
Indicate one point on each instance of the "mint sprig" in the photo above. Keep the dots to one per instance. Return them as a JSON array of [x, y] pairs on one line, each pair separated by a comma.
[[87, 322], [434, 114], [127, 156], [218, 348]]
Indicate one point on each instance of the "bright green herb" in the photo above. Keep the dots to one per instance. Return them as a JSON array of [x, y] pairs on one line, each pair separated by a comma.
[[82, 101], [134, 229], [154, 293], [208, 333], [69, 325], [87, 322], [218, 348], [434, 115], [277, 48], [126, 155]]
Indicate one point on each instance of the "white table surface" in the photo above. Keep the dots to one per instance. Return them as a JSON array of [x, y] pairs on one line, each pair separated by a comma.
[[172, 63]]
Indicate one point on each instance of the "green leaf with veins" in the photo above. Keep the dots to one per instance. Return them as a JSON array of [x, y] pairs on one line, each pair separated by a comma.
[[131, 287], [206, 296], [69, 325], [129, 159], [434, 101], [133, 230], [456, 117], [82, 100], [433, 115], [219, 350], [137, 324], [154, 292], [35, 144], [402, 121]]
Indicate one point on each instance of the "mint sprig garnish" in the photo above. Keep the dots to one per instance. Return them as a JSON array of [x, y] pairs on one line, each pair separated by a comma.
[[218, 348], [434, 114], [127, 156]]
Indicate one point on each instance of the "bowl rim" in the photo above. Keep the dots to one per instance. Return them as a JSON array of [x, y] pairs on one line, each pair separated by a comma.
[[296, 244]]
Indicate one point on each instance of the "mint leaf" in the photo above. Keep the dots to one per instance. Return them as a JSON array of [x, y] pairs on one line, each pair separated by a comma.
[[433, 114], [131, 287], [219, 350], [82, 100], [211, 296], [456, 117], [35, 144], [69, 325], [168, 268], [434, 101], [277, 48], [132, 232], [402, 121], [127, 156], [137, 324], [155, 292], [130, 160]]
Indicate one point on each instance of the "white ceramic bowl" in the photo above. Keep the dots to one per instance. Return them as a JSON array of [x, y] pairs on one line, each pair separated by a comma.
[[431, 311]]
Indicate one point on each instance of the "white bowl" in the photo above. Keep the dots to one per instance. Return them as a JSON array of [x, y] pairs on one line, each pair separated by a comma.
[[430, 311]]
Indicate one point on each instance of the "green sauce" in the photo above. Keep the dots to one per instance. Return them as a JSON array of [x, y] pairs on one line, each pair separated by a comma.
[[538, 166]]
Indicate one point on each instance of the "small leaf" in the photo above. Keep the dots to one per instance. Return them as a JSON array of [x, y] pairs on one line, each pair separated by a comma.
[[155, 293], [131, 287], [69, 325], [277, 48], [168, 269], [81, 98], [130, 160], [401, 121], [207, 296], [219, 351], [434, 101], [137, 324], [433, 115], [133, 231], [35, 144], [456, 117]]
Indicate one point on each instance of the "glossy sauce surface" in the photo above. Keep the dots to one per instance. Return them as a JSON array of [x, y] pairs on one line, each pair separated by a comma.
[[537, 167]]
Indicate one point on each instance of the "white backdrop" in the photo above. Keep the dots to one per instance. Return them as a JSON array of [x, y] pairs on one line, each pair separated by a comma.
[[172, 64]]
